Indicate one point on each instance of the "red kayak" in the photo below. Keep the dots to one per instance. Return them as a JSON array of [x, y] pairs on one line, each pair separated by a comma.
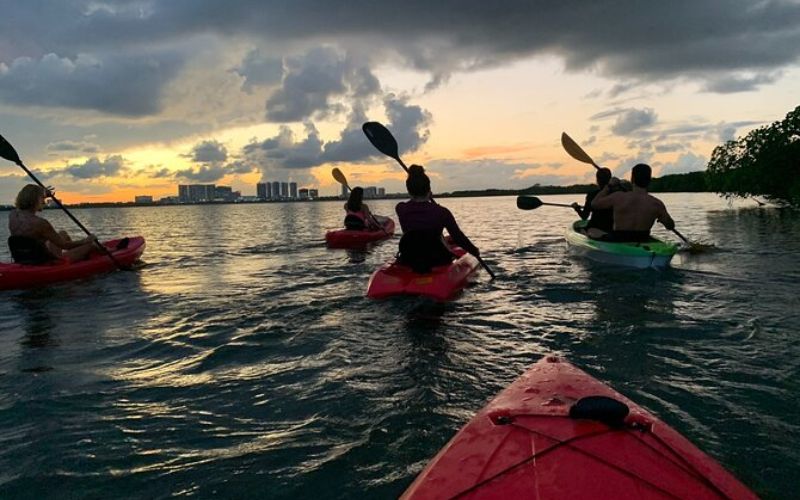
[[14, 276], [442, 283], [556, 432], [349, 238]]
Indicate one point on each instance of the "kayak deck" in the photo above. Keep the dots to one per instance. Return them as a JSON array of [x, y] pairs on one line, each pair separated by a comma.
[[14, 276], [349, 238], [654, 253], [525, 444], [441, 284]]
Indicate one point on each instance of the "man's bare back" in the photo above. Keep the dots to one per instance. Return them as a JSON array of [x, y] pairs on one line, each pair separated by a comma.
[[634, 211], [637, 210]]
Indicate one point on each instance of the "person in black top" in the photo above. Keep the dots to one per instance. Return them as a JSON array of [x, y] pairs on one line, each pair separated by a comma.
[[601, 221]]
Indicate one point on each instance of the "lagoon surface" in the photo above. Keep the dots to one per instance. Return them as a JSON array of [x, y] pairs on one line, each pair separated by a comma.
[[244, 359]]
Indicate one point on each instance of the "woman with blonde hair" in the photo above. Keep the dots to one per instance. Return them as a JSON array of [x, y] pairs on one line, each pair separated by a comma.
[[33, 239]]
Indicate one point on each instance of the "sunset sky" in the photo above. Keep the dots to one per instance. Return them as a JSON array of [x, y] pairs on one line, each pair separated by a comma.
[[106, 100]]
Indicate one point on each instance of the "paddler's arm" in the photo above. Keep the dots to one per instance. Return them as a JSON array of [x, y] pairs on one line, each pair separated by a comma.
[[584, 212], [604, 199], [48, 233], [664, 217], [459, 238]]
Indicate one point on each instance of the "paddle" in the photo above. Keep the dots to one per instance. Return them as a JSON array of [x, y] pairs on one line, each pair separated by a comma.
[[575, 151], [8, 152], [384, 141], [341, 179], [532, 202]]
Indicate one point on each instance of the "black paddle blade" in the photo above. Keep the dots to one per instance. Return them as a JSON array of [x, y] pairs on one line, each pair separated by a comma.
[[528, 202], [381, 138], [8, 152]]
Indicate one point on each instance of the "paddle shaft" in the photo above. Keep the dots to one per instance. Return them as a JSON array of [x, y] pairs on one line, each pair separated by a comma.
[[681, 236], [69, 214]]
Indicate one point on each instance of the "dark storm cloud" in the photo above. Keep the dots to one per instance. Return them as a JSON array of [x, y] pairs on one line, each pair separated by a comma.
[[93, 168], [312, 82], [259, 69], [638, 41], [117, 84], [408, 123], [208, 152], [212, 173]]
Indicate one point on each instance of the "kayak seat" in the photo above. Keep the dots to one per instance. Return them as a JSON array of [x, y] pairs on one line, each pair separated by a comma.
[[354, 223], [29, 251], [601, 408], [123, 243], [423, 250]]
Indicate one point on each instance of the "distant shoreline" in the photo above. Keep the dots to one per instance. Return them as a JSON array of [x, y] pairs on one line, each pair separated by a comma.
[[676, 183]]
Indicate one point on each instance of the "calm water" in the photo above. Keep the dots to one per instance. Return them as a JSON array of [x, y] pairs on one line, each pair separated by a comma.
[[245, 360]]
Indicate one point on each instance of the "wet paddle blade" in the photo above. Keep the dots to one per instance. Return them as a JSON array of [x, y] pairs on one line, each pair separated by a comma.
[[528, 202], [8, 152], [695, 247], [575, 151], [381, 138]]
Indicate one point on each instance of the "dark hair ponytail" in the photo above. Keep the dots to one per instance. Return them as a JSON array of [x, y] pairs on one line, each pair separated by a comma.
[[417, 183]]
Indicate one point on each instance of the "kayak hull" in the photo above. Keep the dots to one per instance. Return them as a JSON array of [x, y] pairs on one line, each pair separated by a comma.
[[441, 284], [16, 276], [524, 444], [655, 253], [348, 238]]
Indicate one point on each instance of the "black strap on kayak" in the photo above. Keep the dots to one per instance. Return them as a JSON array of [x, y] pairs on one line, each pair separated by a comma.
[[684, 465], [601, 408]]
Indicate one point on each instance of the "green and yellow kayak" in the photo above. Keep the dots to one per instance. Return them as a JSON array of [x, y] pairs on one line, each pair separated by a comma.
[[653, 253]]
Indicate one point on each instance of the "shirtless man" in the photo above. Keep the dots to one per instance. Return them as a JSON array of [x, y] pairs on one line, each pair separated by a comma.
[[35, 240], [634, 211]]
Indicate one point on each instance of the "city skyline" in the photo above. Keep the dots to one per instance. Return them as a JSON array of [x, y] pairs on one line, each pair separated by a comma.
[[255, 94]]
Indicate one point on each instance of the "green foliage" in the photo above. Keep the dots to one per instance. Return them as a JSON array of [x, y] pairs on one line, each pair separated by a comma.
[[765, 162]]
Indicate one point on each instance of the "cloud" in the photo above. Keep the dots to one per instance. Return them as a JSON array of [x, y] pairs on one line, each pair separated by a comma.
[[408, 124], [208, 152], [73, 146], [729, 84], [632, 120], [259, 69], [212, 173], [313, 81], [687, 162], [114, 84], [93, 168]]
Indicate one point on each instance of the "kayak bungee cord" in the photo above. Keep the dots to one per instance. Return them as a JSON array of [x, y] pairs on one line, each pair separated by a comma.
[[644, 429]]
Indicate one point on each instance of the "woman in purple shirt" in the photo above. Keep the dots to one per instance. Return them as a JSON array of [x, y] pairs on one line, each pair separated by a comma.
[[422, 221]]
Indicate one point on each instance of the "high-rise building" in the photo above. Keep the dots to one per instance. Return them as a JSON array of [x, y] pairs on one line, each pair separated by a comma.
[[261, 190], [144, 199], [344, 192], [276, 190], [293, 190], [313, 194], [194, 193], [381, 192], [223, 193], [284, 190], [303, 194], [371, 192]]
